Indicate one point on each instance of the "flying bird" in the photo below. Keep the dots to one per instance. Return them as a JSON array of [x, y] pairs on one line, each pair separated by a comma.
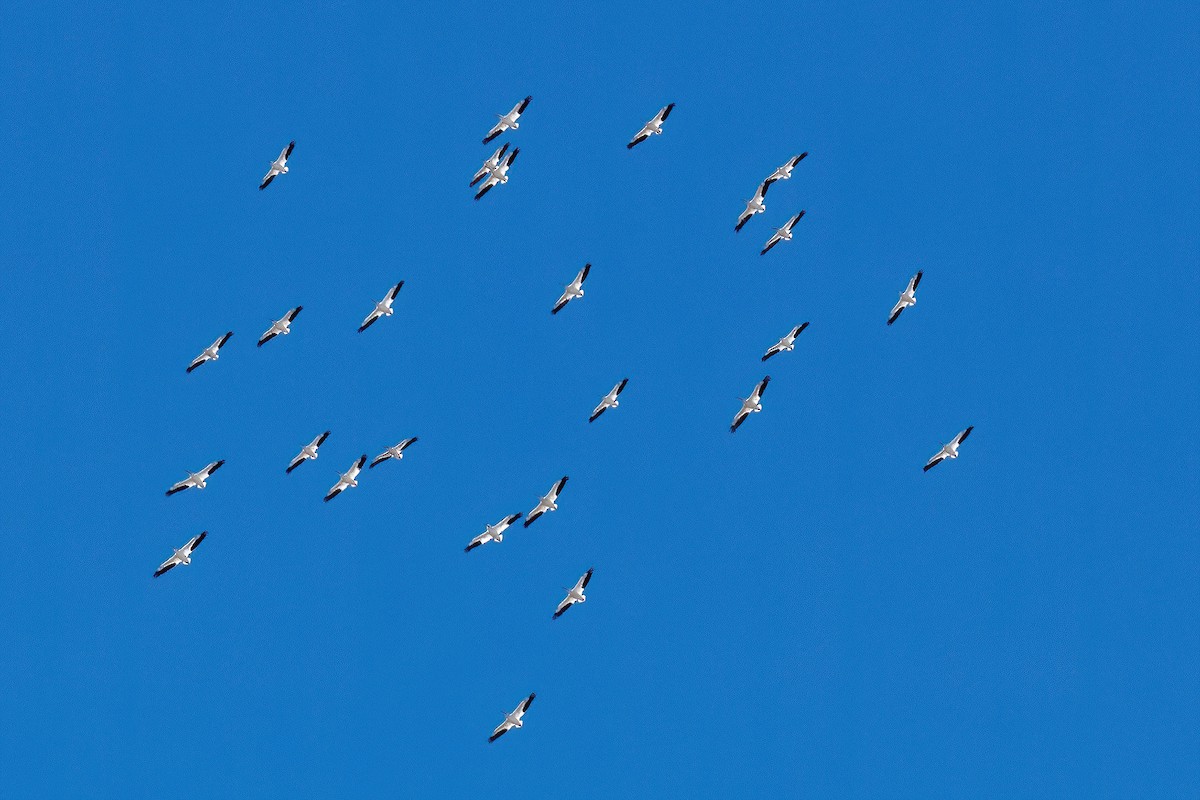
[[755, 205], [508, 120], [308, 451], [785, 172], [572, 290], [280, 326], [513, 720], [492, 533], [278, 166], [347, 479], [499, 174], [196, 480], [609, 401], [653, 127], [574, 595], [210, 353], [907, 298], [382, 309], [396, 452], [490, 164], [181, 556], [783, 234], [548, 502], [751, 405], [949, 450], [787, 343]]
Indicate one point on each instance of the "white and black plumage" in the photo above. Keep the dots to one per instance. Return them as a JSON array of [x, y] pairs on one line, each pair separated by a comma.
[[907, 298], [949, 450], [785, 172], [280, 326], [508, 120], [196, 480], [755, 205], [513, 720], [492, 533], [609, 401], [181, 556], [751, 405], [308, 451], [574, 595], [490, 164], [210, 353], [787, 343], [548, 502], [396, 452], [347, 479], [572, 290], [653, 127], [382, 309], [278, 166], [498, 174], [783, 234]]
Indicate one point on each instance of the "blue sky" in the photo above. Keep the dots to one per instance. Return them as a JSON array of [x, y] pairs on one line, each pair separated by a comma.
[[794, 610]]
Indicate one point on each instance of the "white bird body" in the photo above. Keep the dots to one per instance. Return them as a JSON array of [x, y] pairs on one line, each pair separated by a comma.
[[755, 205], [907, 298], [347, 480], [308, 452], [492, 533], [498, 174], [574, 595], [210, 353], [949, 450], [396, 452], [278, 166], [491, 164], [750, 405], [572, 290], [383, 308], [196, 480], [513, 719], [547, 502], [653, 127], [609, 401], [784, 172], [787, 343], [509, 120], [182, 555], [783, 234], [280, 327]]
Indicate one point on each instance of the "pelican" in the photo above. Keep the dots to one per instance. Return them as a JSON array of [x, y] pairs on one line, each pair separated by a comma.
[[783, 234], [210, 353], [196, 480], [755, 205], [280, 326], [490, 164], [347, 479], [181, 556], [278, 166], [396, 452], [787, 343], [574, 595], [572, 290], [653, 127], [513, 720], [609, 401], [492, 533], [907, 298], [382, 309], [785, 172], [308, 451], [949, 450], [751, 405], [508, 120], [548, 502], [499, 174]]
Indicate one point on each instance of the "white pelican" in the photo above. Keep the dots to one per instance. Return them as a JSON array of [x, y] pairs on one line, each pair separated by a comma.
[[210, 353], [572, 290], [653, 127], [278, 166], [382, 309], [347, 479], [396, 452], [196, 480], [751, 405], [508, 120], [787, 343], [513, 720], [949, 450], [755, 205], [490, 164], [308, 451], [499, 174], [907, 298], [548, 502], [785, 172], [574, 595], [492, 533], [609, 401], [280, 326], [783, 234], [181, 556]]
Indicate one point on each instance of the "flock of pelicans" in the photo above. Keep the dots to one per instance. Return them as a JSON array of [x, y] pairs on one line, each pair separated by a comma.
[[494, 172]]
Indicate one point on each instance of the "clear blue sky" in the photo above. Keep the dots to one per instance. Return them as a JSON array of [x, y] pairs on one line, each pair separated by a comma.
[[792, 611]]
